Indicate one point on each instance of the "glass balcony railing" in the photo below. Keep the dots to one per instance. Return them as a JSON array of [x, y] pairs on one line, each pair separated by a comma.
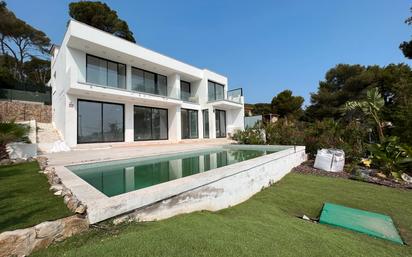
[[235, 95], [188, 97]]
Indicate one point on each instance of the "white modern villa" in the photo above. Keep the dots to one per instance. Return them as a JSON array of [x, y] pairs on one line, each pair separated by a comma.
[[107, 89]]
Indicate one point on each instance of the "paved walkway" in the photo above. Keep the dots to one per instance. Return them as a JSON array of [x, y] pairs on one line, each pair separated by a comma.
[[106, 152]]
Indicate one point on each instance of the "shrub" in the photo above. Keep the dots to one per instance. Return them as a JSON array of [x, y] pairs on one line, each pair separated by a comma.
[[391, 156], [250, 136], [11, 132]]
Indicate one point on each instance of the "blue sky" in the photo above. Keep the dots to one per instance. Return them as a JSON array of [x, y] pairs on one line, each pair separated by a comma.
[[262, 46]]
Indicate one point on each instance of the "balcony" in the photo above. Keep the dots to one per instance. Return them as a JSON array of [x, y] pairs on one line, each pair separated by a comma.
[[188, 97], [234, 100]]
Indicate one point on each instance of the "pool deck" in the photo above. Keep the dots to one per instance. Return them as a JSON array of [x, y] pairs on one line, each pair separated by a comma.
[[212, 190], [115, 151]]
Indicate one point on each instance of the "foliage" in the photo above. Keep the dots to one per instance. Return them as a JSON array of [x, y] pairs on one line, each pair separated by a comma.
[[371, 106], [320, 134], [101, 16], [406, 46], [11, 132], [285, 132], [391, 156], [345, 83], [250, 136], [20, 41], [287, 105]]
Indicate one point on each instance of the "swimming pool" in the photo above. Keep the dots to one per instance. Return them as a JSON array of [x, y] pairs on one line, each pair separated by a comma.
[[154, 183], [119, 177]]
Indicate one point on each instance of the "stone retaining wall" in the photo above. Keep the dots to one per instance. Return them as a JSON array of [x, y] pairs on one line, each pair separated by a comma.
[[22, 242], [23, 111]]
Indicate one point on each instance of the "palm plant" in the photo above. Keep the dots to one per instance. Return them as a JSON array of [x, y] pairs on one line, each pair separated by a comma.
[[11, 132], [371, 107]]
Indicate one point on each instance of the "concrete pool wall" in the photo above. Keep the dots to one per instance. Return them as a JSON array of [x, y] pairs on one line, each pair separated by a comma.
[[212, 190]]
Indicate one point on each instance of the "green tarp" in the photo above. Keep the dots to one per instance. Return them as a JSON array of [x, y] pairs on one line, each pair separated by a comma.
[[371, 223]]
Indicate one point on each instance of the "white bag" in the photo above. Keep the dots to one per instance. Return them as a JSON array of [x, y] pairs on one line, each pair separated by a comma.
[[330, 160]]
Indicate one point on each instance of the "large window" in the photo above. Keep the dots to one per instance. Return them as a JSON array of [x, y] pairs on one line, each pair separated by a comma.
[[150, 123], [99, 122], [216, 91], [205, 123], [185, 91], [149, 82], [220, 118], [104, 72], [189, 123]]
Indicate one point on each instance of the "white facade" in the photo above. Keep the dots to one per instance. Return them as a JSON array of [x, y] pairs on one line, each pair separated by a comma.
[[73, 81]]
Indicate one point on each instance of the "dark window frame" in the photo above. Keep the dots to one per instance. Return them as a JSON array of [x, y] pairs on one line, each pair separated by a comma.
[[208, 123], [107, 71], [218, 111], [188, 122], [214, 90], [100, 102], [151, 123], [190, 88], [155, 78]]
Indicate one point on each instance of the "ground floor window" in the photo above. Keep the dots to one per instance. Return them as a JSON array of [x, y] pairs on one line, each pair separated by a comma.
[[205, 114], [189, 122], [150, 123], [99, 122], [220, 118]]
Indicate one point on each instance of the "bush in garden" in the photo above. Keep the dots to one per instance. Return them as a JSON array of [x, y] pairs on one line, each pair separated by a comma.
[[250, 136], [391, 157]]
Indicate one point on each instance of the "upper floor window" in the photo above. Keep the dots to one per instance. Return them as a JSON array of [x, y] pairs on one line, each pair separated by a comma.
[[104, 72], [149, 82], [185, 91], [216, 91]]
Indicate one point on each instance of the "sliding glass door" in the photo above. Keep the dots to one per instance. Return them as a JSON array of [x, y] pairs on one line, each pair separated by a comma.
[[150, 123], [220, 118], [189, 123], [99, 122]]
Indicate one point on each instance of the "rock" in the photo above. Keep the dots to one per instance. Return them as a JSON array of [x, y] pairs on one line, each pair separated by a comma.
[[122, 219], [305, 217], [58, 193], [73, 225], [19, 160], [406, 178], [17, 243], [66, 199], [81, 209], [5, 162], [72, 204], [56, 188], [56, 180], [381, 175], [48, 229]]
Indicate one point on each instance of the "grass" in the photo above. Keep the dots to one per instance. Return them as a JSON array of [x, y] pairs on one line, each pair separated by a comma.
[[265, 225], [25, 199]]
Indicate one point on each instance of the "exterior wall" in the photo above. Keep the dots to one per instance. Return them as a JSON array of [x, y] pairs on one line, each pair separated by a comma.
[[69, 84]]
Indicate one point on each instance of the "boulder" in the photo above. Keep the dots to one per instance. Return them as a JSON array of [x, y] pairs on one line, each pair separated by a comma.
[[73, 225], [17, 243]]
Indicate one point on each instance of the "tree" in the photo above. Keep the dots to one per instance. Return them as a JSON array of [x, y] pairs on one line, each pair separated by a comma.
[[37, 70], [20, 41], [99, 15], [406, 46], [342, 83], [371, 107], [261, 109], [287, 105]]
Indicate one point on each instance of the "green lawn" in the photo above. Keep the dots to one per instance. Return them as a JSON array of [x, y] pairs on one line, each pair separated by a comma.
[[25, 199], [265, 225]]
